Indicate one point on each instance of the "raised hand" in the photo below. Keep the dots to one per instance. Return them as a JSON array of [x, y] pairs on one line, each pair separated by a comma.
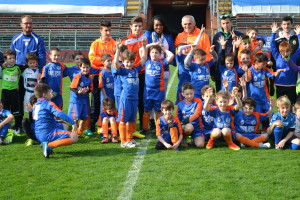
[[238, 41], [233, 35], [297, 29], [222, 41], [274, 27], [118, 43], [202, 29]]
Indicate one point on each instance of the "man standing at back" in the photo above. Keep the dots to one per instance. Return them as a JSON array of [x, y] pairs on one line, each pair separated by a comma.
[[22, 44], [190, 34], [105, 44]]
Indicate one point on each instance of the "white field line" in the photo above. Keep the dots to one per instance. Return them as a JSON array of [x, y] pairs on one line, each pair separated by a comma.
[[136, 166], [171, 82], [134, 171]]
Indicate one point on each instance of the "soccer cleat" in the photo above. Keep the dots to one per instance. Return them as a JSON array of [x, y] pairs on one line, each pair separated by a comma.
[[105, 140], [265, 145], [135, 142], [210, 144], [233, 146], [17, 132], [46, 150], [83, 136], [184, 143], [138, 135], [9, 137], [123, 145], [1, 140], [88, 132], [130, 144], [29, 142], [114, 139]]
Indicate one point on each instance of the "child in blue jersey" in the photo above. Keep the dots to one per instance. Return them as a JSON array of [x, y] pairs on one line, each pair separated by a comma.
[[129, 97], [188, 112], [297, 128], [154, 91], [5, 119], [222, 118], [80, 87], [183, 74], [46, 128], [286, 82], [256, 76], [106, 79], [168, 128], [246, 125], [227, 67], [108, 121], [282, 126], [207, 120], [52, 75], [200, 68]]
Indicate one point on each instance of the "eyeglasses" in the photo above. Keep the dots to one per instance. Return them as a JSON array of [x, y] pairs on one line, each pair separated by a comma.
[[27, 23], [224, 16]]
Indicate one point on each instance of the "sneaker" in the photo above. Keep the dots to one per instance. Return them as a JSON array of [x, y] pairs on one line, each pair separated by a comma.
[[130, 144], [1, 140], [135, 142], [105, 140], [138, 135], [123, 145], [29, 142], [265, 145], [101, 136], [210, 144], [88, 132], [242, 145], [9, 137], [233, 146], [184, 143], [114, 139], [83, 136], [46, 150]]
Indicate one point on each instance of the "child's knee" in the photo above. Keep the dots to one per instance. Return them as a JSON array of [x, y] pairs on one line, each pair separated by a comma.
[[112, 120], [199, 142], [216, 133], [74, 138], [226, 131], [105, 120], [188, 129]]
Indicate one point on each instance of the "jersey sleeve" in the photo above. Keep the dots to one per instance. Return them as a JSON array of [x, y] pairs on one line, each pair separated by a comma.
[[60, 114], [158, 133], [95, 61], [75, 81], [101, 79], [94, 71], [197, 112], [41, 53], [269, 73]]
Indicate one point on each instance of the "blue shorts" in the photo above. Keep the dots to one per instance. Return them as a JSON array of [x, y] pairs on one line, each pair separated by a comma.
[[4, 130], [262, 107], [58, 134], [128, 110], [79, 111], [150, 104], [58, 101], [206, 133], [117, 101]]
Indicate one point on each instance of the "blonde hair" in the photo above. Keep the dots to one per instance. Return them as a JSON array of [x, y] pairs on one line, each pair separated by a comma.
[[283, 101], [223, 94]]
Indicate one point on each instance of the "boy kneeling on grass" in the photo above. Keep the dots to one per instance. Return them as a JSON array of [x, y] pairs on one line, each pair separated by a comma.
[[5, 119], [168, 128], [50, 133]]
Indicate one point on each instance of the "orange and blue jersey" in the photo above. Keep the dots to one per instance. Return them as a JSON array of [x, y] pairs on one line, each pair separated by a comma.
[[130, 82], [44, 113], [154, 79], [192, 111], [289, 77], [53, 73], [200, 76], [221, 119], [80, 81], [289, 122], [248, 124], [257, 84], [106, 81], [230, 75], [207, 120], [162, 128], [73, 70]]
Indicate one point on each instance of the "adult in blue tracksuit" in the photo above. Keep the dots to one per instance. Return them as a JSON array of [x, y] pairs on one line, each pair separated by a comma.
[[158, 32], [24, 43], [226, 30]]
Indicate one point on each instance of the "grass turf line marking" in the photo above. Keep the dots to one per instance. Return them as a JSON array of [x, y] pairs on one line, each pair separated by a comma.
[[136, 166], [171, 81], [134, 171]]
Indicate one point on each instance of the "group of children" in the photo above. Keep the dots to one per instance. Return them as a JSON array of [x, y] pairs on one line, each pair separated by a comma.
[[240, 112]]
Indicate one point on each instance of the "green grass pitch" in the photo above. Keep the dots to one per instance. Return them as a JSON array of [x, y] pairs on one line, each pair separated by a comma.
[[90, 170]]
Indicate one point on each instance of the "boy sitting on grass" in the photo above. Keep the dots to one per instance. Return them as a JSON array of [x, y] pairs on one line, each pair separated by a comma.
[[46, 128], [282, 126], [168, 128], [222, 118], [5, 119]]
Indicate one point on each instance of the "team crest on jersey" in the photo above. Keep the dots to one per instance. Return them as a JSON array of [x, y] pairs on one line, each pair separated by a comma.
[[294, 42], [148, 66], [107, 80], [219, 119], [242, 122], [81, 84], [227, 120], [253, 122], [263, 76], [26, 43], [207, 71], [129, 75], [58, 67], [255, 78], [199, 71], [157, 67]]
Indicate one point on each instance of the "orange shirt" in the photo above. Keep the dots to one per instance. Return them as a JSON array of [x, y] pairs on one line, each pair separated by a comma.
[[98, 48], [190, 39]]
